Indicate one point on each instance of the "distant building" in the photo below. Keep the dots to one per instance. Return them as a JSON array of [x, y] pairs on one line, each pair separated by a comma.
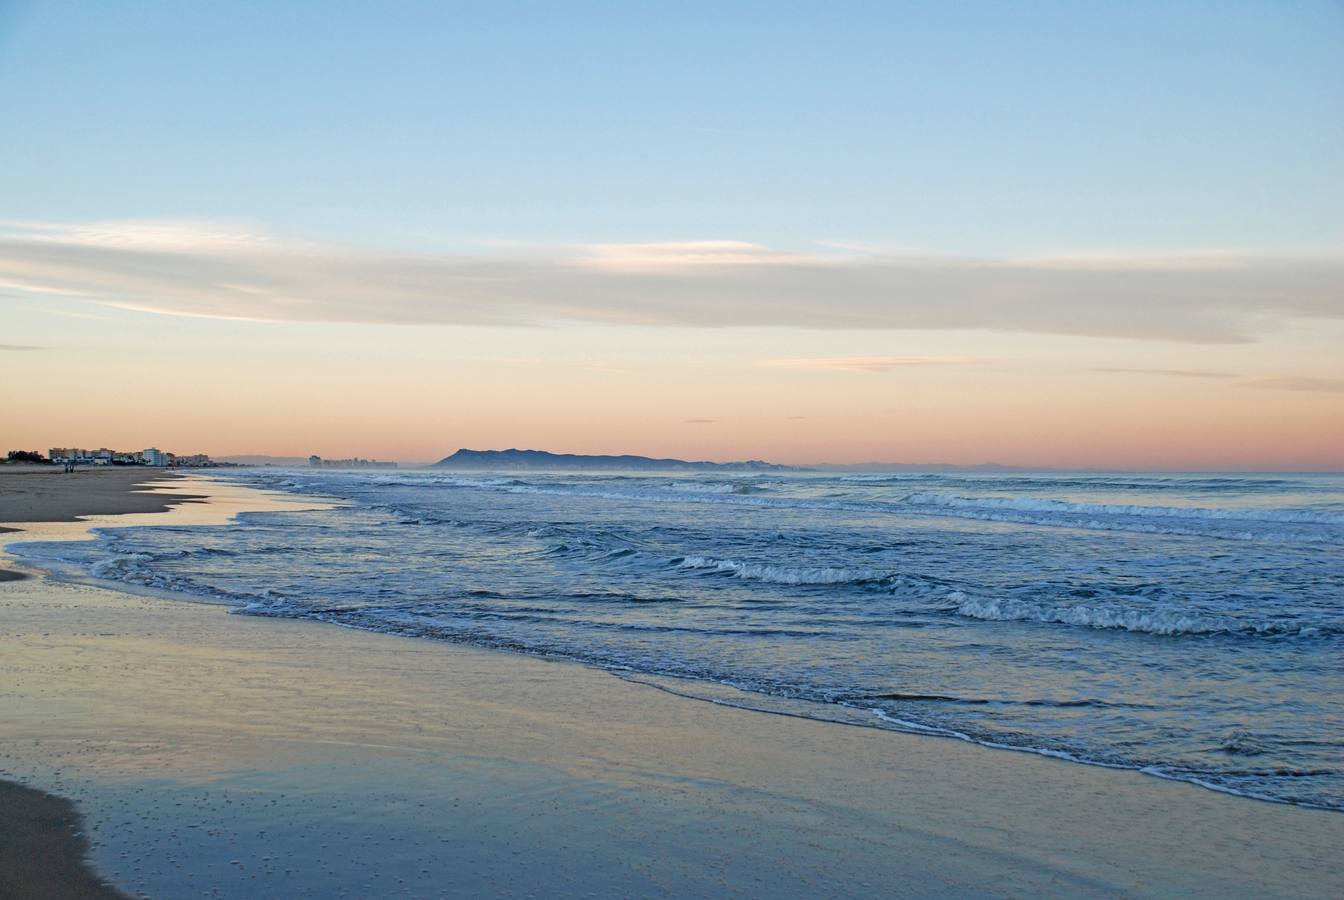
[[353, 463], [151, 456]]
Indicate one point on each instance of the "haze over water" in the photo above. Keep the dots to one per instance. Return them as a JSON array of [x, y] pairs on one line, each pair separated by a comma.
[[1188, 625]]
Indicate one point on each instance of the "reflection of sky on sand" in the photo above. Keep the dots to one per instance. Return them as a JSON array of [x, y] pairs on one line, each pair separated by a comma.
[[299, 760], [219, 751]]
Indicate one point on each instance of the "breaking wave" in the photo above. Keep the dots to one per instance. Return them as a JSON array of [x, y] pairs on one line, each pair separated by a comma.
[[1162, 621], [796, 575], [1043, 505]]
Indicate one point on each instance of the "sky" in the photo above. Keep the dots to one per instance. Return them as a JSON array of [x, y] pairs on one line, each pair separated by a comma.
[[1069, 235]]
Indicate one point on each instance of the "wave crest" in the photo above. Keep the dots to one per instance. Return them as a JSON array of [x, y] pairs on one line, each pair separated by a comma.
[[782, 574], [1158, 620]]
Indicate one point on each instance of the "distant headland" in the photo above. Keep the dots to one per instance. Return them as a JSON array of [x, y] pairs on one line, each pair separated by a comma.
[[542, 459]]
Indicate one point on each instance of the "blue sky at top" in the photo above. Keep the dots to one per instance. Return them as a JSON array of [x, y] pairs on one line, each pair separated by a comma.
[[954, 128]]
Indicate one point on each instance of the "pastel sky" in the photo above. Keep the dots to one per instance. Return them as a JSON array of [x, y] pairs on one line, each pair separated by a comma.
[[1059, 234]]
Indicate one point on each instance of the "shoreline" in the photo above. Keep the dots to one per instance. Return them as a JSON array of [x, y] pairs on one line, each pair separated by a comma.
[[46, 494], [705, 689], [32, 495], [43, 848], [443, 721]]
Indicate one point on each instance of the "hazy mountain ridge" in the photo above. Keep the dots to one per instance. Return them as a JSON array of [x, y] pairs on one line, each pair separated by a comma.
[[543, 459]]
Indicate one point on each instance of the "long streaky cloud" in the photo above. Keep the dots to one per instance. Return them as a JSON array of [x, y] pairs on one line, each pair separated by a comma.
[[1294, 383], [866, 363], [1177, 373], [241, 273]]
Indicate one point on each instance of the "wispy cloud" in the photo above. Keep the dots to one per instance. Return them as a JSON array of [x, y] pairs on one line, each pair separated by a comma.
[[239, 272], [551, 363], [601, 367], [866, 363], [18, 348], [1178, 373], [1266, 382], [1294, 383], [71, 314], [683, 254], [701, 421]]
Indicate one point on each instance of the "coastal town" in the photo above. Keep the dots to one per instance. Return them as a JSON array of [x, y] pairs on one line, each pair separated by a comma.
[[150, 456], [72, 457], [318, 462]]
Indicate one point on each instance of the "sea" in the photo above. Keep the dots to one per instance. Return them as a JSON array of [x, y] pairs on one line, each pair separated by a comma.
[[1189, 626]]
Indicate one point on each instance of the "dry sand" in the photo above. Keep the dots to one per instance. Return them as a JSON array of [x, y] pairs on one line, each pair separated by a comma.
[[257, 757]]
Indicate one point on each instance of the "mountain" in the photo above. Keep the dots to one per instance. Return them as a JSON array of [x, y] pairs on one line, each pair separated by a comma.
[[541, 459]]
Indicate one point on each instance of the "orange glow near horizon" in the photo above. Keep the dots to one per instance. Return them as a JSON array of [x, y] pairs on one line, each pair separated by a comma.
[[417, 393]]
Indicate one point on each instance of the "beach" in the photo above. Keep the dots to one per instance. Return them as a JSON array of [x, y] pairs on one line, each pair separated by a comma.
[[238, 756], [45, 493]]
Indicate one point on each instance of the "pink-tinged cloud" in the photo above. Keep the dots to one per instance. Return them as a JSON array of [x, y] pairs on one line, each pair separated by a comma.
[[1295, 383], [1175, 373], [238, 273], [865, 363]]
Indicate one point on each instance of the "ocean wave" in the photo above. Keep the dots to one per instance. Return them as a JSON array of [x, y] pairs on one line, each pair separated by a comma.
[[1286, 525], [892, 477], [1043, 505], [1111, 482], [1085, 703], [1243, 743], [120, 566], [711, 487], [799, 575], [1159, 620], [1282, 524]]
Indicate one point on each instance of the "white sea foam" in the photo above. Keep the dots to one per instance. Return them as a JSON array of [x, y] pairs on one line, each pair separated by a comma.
[[782, 574], [119, 565], [705, 487], [1156, 620]]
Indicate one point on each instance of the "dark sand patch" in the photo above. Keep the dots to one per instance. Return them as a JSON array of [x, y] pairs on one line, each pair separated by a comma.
[[10, 575], [50, 495], [42, 849]]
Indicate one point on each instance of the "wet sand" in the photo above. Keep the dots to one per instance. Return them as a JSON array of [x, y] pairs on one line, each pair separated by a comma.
[[34, 493], [259, 757], [47, 494], [42, 849]]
